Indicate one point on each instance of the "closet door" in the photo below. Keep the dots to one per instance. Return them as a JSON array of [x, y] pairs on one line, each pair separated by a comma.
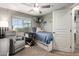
[[62, 30]]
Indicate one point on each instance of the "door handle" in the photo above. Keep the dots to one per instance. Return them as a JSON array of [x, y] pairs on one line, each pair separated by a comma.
[[70, 30]]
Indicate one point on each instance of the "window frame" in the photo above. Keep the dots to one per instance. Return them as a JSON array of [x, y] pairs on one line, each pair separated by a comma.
[[22, 18]]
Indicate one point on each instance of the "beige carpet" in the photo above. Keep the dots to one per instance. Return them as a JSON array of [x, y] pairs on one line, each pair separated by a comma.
[[37, 51]]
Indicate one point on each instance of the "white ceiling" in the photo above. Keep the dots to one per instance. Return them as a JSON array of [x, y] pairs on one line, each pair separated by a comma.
[[25, 7]]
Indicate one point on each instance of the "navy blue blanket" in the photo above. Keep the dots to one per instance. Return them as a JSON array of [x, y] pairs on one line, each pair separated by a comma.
[[45, 37]]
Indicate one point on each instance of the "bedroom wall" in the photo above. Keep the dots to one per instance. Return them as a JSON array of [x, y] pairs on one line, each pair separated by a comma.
[[48, 26], [6, 15]]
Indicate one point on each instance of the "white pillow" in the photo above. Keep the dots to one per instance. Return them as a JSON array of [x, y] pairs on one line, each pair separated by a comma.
[[39, 29]]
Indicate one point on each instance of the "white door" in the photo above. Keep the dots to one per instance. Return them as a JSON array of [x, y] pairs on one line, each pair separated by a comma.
[[62, 30]]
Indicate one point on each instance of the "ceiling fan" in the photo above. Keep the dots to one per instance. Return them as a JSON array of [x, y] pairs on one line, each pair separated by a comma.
[[37, 8]]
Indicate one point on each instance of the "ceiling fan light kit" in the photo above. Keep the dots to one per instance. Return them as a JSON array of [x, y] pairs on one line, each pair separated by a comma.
[[37, 8]]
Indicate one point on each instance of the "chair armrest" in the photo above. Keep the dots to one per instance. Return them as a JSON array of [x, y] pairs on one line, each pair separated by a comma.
[[12, 48]]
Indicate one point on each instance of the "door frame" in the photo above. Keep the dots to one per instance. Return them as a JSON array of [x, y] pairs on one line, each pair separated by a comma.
[[74, 27]]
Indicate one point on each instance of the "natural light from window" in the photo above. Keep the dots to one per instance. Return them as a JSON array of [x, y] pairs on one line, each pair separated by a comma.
[[21, 24]]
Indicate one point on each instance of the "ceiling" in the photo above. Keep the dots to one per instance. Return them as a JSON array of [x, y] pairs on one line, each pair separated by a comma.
[[25, 7]]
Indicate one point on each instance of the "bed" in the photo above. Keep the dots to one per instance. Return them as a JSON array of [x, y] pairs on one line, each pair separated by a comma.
[[45, 40]]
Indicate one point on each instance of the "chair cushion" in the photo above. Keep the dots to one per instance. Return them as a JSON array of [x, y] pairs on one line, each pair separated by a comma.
[[19, 43]]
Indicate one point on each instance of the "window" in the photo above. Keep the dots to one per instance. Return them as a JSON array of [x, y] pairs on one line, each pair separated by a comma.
[[21, 24]]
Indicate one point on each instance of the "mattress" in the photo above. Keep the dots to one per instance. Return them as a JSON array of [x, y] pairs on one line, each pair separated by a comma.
[[45, 37]]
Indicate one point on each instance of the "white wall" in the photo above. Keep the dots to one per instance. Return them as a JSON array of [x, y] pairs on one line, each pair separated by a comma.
[[6, 15], [48, 26]]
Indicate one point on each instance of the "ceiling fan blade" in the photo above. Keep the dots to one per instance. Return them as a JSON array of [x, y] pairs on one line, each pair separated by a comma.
[[30, 10], [26, 4], [47, 6]]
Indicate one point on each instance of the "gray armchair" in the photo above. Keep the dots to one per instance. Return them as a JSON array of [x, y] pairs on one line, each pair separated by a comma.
[[17, 42]]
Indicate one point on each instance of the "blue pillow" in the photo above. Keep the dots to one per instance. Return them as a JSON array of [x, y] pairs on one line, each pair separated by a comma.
[[34, 29]]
